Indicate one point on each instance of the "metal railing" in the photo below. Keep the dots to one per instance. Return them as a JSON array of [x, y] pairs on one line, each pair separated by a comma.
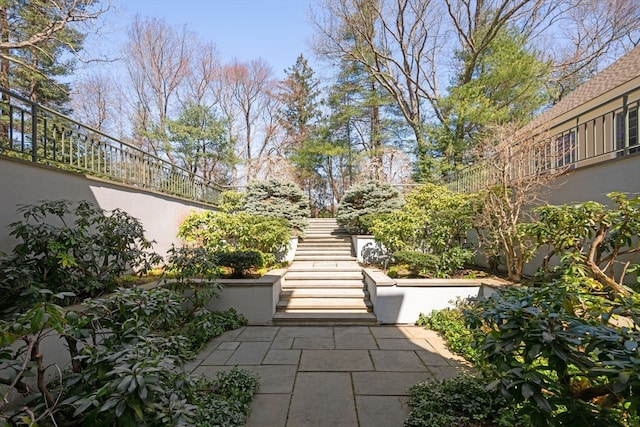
[[609, 136], [30, 131]]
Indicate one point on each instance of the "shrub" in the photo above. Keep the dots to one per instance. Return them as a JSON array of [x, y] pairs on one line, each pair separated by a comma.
[[460, 401], [127, 354], [231, 202], [557, 350], [451, 325], [240, 261], [218, 231], [590, 239], [370, 197], [278, 199], [430, 231], [71, 247]]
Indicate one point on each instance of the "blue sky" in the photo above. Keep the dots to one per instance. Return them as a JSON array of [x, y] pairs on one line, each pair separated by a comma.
[[275, 30]]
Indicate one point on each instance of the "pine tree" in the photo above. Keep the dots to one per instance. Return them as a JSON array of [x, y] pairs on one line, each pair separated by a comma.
[[38, 44]]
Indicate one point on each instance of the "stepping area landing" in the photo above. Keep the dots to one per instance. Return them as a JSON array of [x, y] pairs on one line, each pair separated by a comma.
[[331, 375]]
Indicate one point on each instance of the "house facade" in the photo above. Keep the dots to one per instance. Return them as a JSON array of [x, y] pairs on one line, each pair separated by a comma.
[[592, 136]]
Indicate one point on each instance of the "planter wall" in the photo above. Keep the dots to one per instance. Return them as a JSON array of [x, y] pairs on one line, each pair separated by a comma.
[[400, 301], [367, 250], [256, 299]]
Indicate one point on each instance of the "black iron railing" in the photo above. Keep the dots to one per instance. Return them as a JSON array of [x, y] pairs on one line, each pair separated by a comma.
[[33, 132]]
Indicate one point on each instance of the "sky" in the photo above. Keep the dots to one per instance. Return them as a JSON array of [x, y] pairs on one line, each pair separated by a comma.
[[275, 30]]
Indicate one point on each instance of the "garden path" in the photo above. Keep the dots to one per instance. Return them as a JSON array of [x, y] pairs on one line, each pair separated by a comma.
[[331, 375]]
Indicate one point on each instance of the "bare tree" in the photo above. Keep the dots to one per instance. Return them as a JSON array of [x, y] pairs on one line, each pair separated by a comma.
[[247, 86], [413, 48], [519, 169], [596, 33], [97, 102], [158, 59], [205, 71], [395, 41]]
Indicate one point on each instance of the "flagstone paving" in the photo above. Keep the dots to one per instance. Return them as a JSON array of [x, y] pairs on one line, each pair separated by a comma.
[[331, 375]]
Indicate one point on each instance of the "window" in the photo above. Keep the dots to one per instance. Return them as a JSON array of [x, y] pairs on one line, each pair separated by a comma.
[[633, 131], [630, 128], [619, 129], [566, 146]]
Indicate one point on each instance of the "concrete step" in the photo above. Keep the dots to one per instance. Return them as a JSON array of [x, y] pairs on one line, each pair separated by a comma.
[[325, 276], [315, 283], [324, 258], [324, 251], [328, 266], [329, 319], [323, 243], [337, 304], [318, 238], [309, 292]]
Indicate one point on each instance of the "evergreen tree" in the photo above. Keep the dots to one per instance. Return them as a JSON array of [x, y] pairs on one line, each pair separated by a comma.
[[298, 93], [38, 44], [505, 83], [198, 137]]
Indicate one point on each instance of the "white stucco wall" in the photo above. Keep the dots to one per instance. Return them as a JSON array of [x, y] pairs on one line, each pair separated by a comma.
[[26, 183]]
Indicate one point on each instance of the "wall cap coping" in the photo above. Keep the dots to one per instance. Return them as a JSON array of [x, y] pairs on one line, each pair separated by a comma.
[[379, 277]]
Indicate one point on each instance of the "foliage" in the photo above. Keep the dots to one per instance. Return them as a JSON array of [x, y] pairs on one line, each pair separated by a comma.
[[126, 353], [40, 43], [298, 94], [366, 198], [569, 355], [591, 239], [451, 325], [240, 261], [219, 231], [278, 199], [460, 401], [231, 202], [505, 83], [199, 140], [71, 247], [429, 232], [224, 401]]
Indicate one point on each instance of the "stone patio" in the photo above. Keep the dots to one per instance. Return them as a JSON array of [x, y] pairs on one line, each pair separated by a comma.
[[331, 375]]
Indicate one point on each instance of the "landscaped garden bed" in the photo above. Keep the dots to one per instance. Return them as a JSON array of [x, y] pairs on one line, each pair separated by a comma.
[[124, 347], [558, 349]]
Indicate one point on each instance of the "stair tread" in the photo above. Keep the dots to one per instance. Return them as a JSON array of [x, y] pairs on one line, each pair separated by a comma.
[[290, 293]]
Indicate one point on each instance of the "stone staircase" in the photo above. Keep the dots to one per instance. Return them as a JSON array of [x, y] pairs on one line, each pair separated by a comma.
[[324, 284]]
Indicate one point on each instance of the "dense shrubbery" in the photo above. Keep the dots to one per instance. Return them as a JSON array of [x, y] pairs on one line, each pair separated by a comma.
[[71, 247], [127, 353], [567, 350], [225, 234], [278, 199], [371, 197], [429, 233], [127, 350], [460, 401]]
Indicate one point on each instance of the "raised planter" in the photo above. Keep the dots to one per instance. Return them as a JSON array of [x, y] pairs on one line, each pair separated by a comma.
[[400, 301], [256, 299], [367, 250]]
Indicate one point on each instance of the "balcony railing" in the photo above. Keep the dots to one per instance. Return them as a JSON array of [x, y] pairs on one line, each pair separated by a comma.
[[30, 131], [609, 136]]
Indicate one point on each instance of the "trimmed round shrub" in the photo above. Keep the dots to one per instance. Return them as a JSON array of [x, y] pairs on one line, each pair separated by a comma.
[[367, 198], [278, 199]]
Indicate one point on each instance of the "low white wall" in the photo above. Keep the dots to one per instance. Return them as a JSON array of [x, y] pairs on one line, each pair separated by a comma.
[[255, 299], [400, 301], [367, 250]]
